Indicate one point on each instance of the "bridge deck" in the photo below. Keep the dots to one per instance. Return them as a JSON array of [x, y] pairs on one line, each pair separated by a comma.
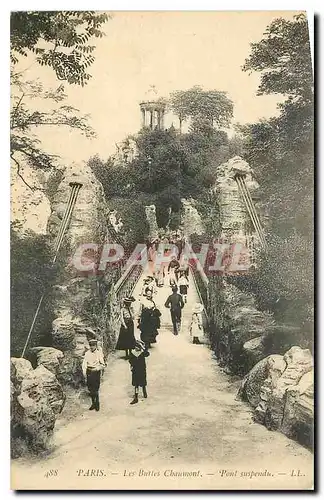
[[190, 421]]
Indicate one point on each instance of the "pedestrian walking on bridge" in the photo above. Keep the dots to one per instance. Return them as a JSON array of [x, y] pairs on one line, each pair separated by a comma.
[[138, 367], [126, 338], [92, 366], [175, 303]]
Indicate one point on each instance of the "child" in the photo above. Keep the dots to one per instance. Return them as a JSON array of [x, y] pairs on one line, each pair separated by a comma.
[[196, 326], [138, 367], [183, 284]]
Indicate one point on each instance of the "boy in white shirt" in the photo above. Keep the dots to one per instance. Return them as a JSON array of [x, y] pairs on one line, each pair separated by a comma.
[[93, 364]]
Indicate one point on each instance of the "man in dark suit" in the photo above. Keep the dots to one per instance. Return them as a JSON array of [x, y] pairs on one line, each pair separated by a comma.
[[175, 303]]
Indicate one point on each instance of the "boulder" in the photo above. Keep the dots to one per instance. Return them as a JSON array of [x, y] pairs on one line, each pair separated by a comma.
[[20, 368], [52, 389], [299, 362], [49, 357], [298, 418], [270, 368], [36, 399], [253, 350], [35, 417]]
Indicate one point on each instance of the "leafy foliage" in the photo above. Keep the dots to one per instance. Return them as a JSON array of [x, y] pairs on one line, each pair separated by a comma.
[[24, 121], [281, 152], [206, 108], [31, 276], [59, 39], [283, 57]]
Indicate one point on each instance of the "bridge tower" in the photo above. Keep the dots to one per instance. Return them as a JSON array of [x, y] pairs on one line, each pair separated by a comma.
[[237, 192]]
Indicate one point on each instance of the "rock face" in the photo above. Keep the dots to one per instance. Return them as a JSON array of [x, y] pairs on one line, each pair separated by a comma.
[[30, 207], [251, 388], [233, 213], [79, 297], [281, 391], [36, 400], [299, 362], [236, 321], [48, 357]]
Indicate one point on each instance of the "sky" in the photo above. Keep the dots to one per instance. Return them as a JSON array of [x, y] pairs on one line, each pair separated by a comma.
[[171, 50]]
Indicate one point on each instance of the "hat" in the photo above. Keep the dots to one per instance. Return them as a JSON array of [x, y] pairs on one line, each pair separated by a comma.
[[128, 299], [140, 344], [93, 341], [198, 308]]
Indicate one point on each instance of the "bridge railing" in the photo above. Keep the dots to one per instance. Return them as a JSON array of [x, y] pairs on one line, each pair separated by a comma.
[[201, 283], [129, 278]]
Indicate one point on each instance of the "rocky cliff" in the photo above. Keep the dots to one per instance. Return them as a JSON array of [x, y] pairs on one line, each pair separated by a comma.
[[80, 299]]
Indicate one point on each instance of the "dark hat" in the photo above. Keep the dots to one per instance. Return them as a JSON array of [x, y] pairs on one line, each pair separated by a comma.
[[128, 299]]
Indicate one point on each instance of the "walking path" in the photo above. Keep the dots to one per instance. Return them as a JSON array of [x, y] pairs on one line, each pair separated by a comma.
[[191, 423]]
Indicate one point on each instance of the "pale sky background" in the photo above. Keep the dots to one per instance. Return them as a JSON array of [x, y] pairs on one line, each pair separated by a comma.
[[171, 50]]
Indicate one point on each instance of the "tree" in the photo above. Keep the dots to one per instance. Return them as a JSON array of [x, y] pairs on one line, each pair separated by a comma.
[[284, 59], [23, 121], [58, 39], [198, 104], [281, 152]]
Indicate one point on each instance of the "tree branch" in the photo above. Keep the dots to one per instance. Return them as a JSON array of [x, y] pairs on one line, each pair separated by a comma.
[[18, 104], [19, 174]]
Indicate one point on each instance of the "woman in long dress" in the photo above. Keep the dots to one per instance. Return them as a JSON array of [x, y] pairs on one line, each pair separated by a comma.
[[149, 321], [196, 326], [126, 340]]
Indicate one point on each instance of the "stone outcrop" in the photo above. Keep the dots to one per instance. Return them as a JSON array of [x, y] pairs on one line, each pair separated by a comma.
[[270, 368], [49, 357], [191, 220], [281, 391], [30, 206], [233, 214], [236, 321], [36, 400], [80, 294], [299, 362]]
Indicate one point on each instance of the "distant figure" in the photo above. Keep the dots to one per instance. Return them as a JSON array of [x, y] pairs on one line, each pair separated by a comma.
[[149, 284], [196, 326], [126, 339], [138, 367], [175, 303], [149, 319], [173, 269], [92, 366], [183, 286]]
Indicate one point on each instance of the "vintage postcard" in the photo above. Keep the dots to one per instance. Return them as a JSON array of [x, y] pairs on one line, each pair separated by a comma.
[[162, 305]]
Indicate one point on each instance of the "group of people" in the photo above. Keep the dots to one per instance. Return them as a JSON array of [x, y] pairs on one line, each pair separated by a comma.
[[148, 322]]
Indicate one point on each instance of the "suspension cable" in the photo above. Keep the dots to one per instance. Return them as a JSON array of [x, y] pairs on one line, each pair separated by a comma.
[[75, 188], [248, 194], [251, 210]]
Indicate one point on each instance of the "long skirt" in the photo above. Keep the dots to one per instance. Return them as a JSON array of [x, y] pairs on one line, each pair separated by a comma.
[[148, 326], [126, 339]]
